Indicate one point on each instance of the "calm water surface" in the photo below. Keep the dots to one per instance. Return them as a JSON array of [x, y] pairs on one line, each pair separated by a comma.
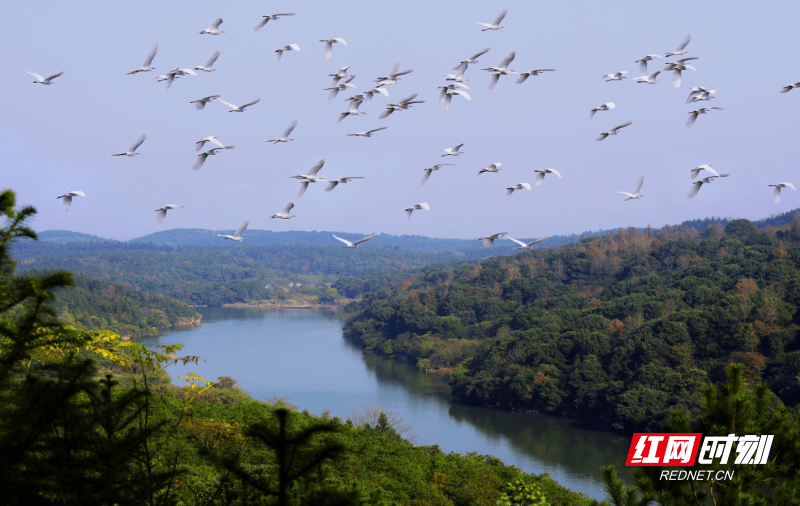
[[303, 356]]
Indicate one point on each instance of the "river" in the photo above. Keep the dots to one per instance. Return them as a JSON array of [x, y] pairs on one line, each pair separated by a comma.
[[302, 355]]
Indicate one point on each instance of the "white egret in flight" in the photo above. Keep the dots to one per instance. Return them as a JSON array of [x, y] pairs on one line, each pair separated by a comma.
[[472, 59], [241, 107], [429, 170], [616, 76], [285, 135], [523, 245], [681, 46], [132, 150], [271, 16], [329, 45], [643, 62], [201, 103], [495, 167], [209, 63], [541, 174], [488, 240], [635, 194], [501, 70], [45, 81], [613, 131], [651, 79], [453, 151], [335, 182], [368, 133], [284, 214], [162, 212], [403, 104], [789, 88], [700, 182], [525, 75], [146, 65], [311, 177], [778, 189], [211, 138], [201, 158], [697, 112], [494, 25], [288, 47], [706, 166], [214, 29], [518, 186], [605, 107], [68, 198], [238, 235], [349, 244], [411, 209]]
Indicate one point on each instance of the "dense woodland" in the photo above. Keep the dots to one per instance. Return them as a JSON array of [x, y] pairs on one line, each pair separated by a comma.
[[620, 328]]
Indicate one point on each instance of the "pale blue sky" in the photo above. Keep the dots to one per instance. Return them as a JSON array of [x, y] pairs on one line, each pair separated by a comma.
[[57, 138]]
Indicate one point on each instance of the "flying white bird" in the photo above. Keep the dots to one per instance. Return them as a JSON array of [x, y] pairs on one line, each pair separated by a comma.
[[707, 167], [643, 62], [329, 45], [696, 91], [789, 88], [68, 198], [403, 104], [501, 70], [285, 135], [677, 63], [211, 138], [613, 131], [368, 94], [339, 87], [214, 30], [494, 25], [449, 96], [351, 111], [173, 74], [238, 235], [416, 206], [431, 169], [605, 107], [693, 115], [241, 107], [271, 16], [200, 104], [518, 186], [457, 77], [528, 245], [41, 80], [340, 74], [311, 177], [335, 182], [209, 63], [487, 241], [368, 133], [525, 75], [704, 95], [676, 74], [777, 190], [284, 214], [146, 65], [495, 167], [132, 150], [349, 244], [680, 51], [541, 174], [201, 158], [449, 87], [635, 193], [472, 59], [651, 79], [162, 212], [453, 151], [700, 182], [616, 76], [288, 47], [392, 77]]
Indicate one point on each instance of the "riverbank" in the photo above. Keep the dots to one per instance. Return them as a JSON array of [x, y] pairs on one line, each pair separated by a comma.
[[336, 306]]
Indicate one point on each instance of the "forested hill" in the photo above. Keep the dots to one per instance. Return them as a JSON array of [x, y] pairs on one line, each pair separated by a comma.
[[620, 328]]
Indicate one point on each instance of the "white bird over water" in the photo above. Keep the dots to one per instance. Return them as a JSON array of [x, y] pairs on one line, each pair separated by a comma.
[[542, 173], [341, 180], [209, 63], [329, 45], [271, 16], [789, 88], [201, 158], [429, 170], [45, 81], [495, 167], [284, 214], [162, 212], [706, 166], [200, 104], [285, 135], [403, 104], [368, 133], [518, 186], [613, 131], [349, 244], [697, 184], [494, 25], [288, 47], [68, 198], [778, 189], [146, 65], [237, 236], [693, 115], [241, 107], [635, 193], [651, 79], [211, 138], [643, 62], [616, 76], [214, 29], [311, 177], [681, 46], [528, 245], [501, 70], [453, 151], [411, 209], [132, 150], [449, 96], [472, 59], [488, 240], [605, 107], [525, 75]]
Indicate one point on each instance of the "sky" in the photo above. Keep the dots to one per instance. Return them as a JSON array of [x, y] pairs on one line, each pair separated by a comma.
[[57, 138]]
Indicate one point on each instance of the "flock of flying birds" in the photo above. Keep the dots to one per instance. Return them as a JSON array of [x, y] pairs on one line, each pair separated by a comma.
[[448, 91]]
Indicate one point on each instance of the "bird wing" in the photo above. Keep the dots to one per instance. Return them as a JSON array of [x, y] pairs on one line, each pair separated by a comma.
[[777, 193], [408, 212], [241, 229], [229, 104], [610, 105], [331, 185], [376, 129], [348, 243], [639, 184], [447, 99], [386, 113], [653, 76], [522, 78], [692, 116], [200, 159], [215, 24], [294, 47], [288, 207], [694, 189], [393, 70], [161, 216], [428, 173], [516, 241], [509, 192], [500, 17], [684, 42], [488, 241], [340, 40], [248, 104], [624, 193], [554, 171], [332, 94], [462, 93], [47, 79], [199, 144], [328, 49], [789, 185], [215, 141], [261, 24], [409, 98], [526, 186], [493, 82], [364, 239], [643, 67], [676, 78], [152, 55], [621, 126], [37, 76], [602, 136], [138, 142], [709, 169], [211, 60], [285, 14], [313, 170], [478, 54], [534, 242], [289, 130], [424, 206], [539, 178], [591, 114], [507, 59]]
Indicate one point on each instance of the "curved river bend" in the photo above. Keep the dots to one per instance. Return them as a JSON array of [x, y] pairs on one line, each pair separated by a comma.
[[303, 356]]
